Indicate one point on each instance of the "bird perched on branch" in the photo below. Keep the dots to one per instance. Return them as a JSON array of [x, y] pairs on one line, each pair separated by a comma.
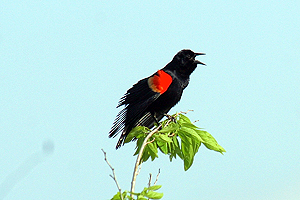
[[151, 98]]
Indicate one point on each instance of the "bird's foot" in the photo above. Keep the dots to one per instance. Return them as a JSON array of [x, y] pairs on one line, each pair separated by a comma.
[[170, 117]]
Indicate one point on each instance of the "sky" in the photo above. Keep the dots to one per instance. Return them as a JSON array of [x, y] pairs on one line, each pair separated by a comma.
[[65, 64]]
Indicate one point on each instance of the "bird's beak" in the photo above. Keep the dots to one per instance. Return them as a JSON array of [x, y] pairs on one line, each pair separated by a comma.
[[197, 61]]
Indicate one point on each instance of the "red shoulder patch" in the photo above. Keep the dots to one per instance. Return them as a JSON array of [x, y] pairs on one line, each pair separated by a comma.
[[161, 82]]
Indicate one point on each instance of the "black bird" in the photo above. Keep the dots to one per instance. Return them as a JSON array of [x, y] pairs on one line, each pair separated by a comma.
[[151, 98]]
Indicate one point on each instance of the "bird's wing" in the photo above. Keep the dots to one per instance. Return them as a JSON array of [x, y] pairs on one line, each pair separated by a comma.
[[136, 101]]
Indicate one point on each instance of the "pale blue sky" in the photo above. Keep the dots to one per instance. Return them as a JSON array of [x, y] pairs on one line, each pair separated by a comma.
[[65, 64]]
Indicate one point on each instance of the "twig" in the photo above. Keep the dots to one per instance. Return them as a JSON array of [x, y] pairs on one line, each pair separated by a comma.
[[114, 175], [150, 179], [186, 111], [139, 157], [150, 141], [157, 177], [171, 135]]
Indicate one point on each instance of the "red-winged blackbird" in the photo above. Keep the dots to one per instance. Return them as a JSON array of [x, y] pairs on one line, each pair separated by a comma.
[[151, 98]]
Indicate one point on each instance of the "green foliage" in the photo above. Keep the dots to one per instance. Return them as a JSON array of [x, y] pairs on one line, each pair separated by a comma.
[[177, 138], [147, 193]]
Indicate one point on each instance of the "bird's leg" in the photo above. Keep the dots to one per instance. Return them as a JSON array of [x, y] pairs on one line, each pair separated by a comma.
[[155, 119]]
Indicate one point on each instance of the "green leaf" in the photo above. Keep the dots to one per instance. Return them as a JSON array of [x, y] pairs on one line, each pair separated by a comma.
[[164, 137], [196, 146], [136, 132], [128, 198], [152, 146], [152, 149], [183, 118], [154, 187], [149, 150], [191, 133], [188, 125], [188, 154], [172, 127], [189, 147], [187, 150], [163, 147], [177, 149], [210, 142], [174, 148], [183, 137], [144, 191], [134, 193], [145, 156], [141, 197], [163, 141], [139, 143], [118, 196], [175, 141], [154, 195]]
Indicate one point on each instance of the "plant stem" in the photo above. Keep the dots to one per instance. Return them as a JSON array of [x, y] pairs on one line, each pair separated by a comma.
[[139, 157]]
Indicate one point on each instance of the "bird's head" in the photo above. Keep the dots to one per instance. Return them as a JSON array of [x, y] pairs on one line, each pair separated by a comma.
[[186, 61], [187, 57]]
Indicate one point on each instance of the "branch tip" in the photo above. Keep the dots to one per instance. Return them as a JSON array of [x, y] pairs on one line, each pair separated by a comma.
[[114, 175]]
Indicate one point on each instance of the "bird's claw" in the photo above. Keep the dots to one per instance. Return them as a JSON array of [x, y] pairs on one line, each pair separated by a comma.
[[170, 117]]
